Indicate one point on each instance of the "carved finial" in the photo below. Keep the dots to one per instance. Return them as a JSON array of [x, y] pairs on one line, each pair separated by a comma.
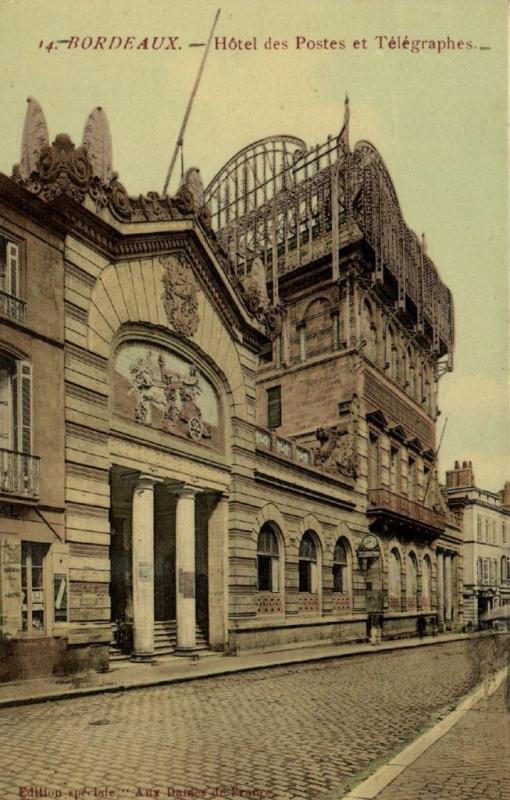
[[97, 141], [35, 138], [193, 181]]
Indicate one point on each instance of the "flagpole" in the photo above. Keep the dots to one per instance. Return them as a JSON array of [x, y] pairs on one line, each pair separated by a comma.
[[188, 109]]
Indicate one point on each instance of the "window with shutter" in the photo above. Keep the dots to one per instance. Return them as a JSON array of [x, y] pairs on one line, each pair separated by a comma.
[[5, 405], [13, 268], [22, 407], [274, 407]]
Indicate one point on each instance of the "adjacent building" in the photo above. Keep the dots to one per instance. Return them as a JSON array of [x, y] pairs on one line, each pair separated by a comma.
[[236, 394], [34, 590], [486, 548]]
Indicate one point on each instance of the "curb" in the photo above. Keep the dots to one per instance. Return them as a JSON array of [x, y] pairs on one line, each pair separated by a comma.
[[231, 669], [370, 788]]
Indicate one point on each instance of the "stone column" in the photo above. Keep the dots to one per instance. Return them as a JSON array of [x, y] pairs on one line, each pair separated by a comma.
[[143, 568], [218, 575], [448, 589], [185, 568], [440, 588]]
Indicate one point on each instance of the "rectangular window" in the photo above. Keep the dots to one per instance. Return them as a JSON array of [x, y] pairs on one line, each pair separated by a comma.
[[411, 480], [426, 484], [33, 610], [266, 353], [485, 570], [503, 532], [9, 267], [373, 462], [479, 526], [486, 529], [395, 470], [274, 407]]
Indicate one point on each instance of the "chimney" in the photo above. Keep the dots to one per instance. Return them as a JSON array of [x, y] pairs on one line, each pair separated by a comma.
[[505, 496], [462, 477]]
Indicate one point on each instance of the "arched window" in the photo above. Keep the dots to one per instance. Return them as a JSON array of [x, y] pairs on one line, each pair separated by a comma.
[[316, 331], [341, 571], [411, 582], [267, 560], [308, 577], [394, 581], [426, 583]]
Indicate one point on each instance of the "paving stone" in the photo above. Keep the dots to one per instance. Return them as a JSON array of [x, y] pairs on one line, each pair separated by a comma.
[[297, 731]]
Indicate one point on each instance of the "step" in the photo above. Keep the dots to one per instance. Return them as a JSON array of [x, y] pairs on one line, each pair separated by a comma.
[[165, 640]]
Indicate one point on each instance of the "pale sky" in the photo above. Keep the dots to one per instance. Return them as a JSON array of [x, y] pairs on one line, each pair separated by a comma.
[[438, 120]]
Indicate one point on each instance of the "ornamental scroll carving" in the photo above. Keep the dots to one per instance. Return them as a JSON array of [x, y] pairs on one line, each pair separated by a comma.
[[336, 452], [180, 295], [63, 170]]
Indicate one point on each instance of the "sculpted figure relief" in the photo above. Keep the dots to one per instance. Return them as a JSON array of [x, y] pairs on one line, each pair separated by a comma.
[[178, 396], [336, 452]]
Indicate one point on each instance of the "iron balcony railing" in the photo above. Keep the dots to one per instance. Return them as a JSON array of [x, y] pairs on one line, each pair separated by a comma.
[[19, 474], [13, 307], [384, 500]]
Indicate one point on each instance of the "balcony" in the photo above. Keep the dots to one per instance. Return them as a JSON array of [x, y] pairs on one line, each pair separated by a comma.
[[403, 514], [12, 307], [19, 475]]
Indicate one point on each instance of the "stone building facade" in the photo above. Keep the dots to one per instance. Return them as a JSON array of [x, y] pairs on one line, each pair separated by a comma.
[[486, 546], [34, 574], [247, 401]]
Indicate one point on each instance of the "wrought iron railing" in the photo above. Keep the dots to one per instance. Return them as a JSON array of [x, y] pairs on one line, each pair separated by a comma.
[[398, 504], [19, 474], [13, 307]]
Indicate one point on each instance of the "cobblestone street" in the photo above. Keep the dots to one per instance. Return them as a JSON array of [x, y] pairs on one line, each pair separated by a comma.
[[282, 733], [470, 763]]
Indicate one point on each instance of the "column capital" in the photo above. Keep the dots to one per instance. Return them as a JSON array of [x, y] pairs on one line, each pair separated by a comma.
[[187, 490], [144, 481]]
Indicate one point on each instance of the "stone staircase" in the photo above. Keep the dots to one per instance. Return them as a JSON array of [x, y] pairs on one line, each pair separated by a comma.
[[165, 640]]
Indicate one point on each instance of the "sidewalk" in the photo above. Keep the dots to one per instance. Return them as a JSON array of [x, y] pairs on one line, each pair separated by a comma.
[[174, 669], [464, 757]]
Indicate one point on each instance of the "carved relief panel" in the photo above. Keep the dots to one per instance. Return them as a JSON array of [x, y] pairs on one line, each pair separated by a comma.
[[162, 390]]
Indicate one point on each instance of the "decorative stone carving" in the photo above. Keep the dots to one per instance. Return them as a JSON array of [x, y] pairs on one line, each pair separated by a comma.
[[269, 604], [190, 198], [34, 140], [61, 170], [97, 141], [255, 287], [309, 602], [342, 602], [169, 393], [179, 296], [336, 452]]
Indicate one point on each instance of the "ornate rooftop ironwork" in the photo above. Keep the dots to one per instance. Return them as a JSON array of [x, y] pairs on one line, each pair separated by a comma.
[[288, 206]]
